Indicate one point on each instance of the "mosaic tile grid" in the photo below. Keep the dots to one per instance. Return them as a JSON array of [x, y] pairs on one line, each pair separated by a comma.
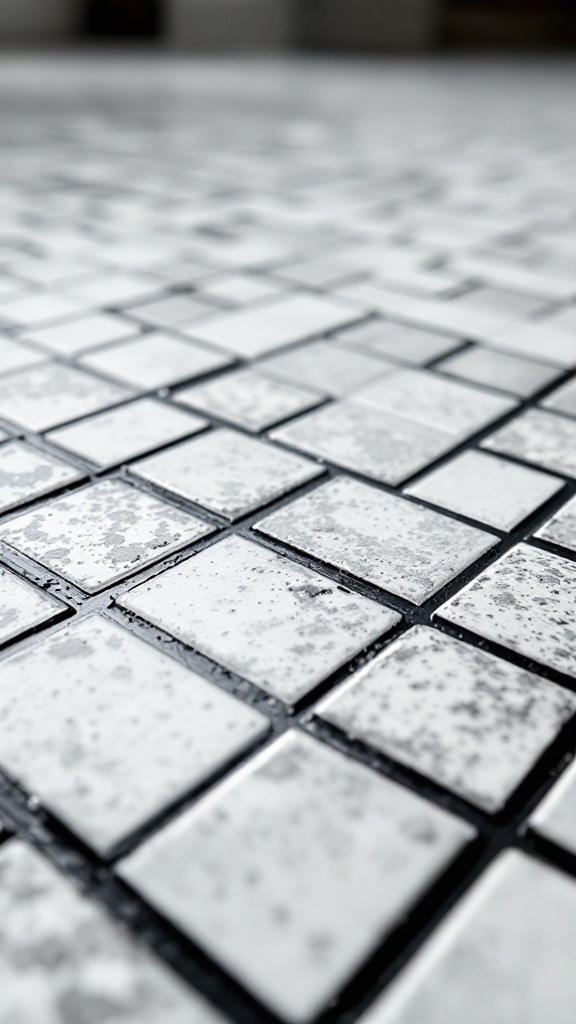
[[298, 313]]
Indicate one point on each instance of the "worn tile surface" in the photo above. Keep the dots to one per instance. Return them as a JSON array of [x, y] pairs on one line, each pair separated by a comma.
[[561, 528], [23, 606], [27, 473], [223, 600], [49, 394], [329, 882], [539, 437], [460, 716], [153, 361], [248, 399], [101, 533]]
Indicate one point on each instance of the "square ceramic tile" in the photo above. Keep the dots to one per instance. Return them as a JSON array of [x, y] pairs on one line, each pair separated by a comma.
[[75, 336], [483, 487], [515, 277], [113, 289], [563, 399], [238, 289], [22, 606], [378, 537], [397, 342], [467, 720], [107, 732], [367, 440], [155, 360], [501, 303], [171, 310], [436, 402], [65, 960], [542, 438], [555, 817], [248, 399], [39, 308], [326, 368], [561, 528], [280, 878], [498, 370], [49, 394], [537, 340], [27, 473], [224, 599], [226, 472], [252, 332], [102, 533], [119, 435], [14, 356], [524, 602], [503, 954]]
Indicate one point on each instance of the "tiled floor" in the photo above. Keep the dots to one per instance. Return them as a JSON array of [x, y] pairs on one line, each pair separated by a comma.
[[287, 541]]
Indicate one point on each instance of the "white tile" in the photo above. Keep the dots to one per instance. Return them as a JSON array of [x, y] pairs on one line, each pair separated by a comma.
[[555, 817], [107, 732], [248, 399], [22, 606], [537, 341], [398, 342], [501, 274], [171, 310], [102, 533], [563, 399], [75, 336], [498, 302], [433, 400], [238, 289], [326, 368], [112, 289], [378, 537], [498, 370], [39, 308], [252, 332], [295, 869], [561, 528], [226, 472], [524, 602], [320, 272], [126, 432], [367, 440], [14, 356], [484, 487], [155, 360], [49, 394], [467, 720], [27, 473], [226, 598], [504, 954], [539, 437], [65, 960]]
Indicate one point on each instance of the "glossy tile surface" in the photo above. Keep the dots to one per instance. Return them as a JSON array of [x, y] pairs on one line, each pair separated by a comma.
[[23, 606], [539, 437], [561, 528]]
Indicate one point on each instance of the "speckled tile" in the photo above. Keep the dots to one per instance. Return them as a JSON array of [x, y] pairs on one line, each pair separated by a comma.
[[281, 878], [498, 370], [102, 533], [326, 368], [124, 433], [466, 719], [39, 308], [248, 399], [22, 606], [367, 440], [27, 473], [254, 331], [504, 954], [555, 817], [107, 732], [155, 360], [561, 528], [75, 336], [378, 537], [64, 960], [524, 602], [542, 438], [398, 342], [226, 472], [436, 402], [483, 487], [50, 394], [14, 356], [224, 599], [563, 399]]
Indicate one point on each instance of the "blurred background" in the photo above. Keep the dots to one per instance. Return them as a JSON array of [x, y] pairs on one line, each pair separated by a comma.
[[351, 25]]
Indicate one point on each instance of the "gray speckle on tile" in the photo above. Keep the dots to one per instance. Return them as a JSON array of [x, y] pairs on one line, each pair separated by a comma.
[[540, 437], [102, 533], [484, 487], [49, 394], [27, 473], [106, 731], [155, 360], [226, 472], [524, 602], [22, 606], [65, 962], [504, 954], [498, 370], [226, 598], [466, 719], [293, 870], [555, 817], [327, 368], [248, 399], [379, 537], [561, 528]]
